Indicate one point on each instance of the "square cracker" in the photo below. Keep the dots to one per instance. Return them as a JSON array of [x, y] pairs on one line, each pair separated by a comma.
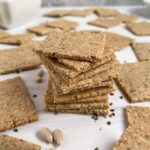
[[80, 13], [134, 79], [41, 29], [3, 34], [134, 138], [12, 143], [16, 106], [139, 28], [17, 39], [107, 12], [18, 59], [105, 22], [62, 24], [142, 51], [118, 41], [57, 13], [86, 111], [74, 45], [137, 115], [127, 18]]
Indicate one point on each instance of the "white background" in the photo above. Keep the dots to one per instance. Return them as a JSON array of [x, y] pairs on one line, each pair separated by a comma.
[[80, 131]]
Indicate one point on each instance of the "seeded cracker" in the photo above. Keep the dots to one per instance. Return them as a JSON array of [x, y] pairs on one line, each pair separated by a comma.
[[127, 18], [17, 39], [16, 107], [134, 81], [142, 51], [105, 22], [62, 24], [74, 45], [106, 12], [139, 28], [137, 115], [41, 29], [12, 143], [57, 13], [18, 59], [3, 34]]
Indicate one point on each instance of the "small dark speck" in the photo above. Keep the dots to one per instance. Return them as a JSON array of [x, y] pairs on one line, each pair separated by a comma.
[[55, 113], [15, 130], [113, 114], [108, 123], [17, 71], [111, 104], [111, 93], [96, 148], [34, 95], [110, 115], [112, 110], [121, 97]]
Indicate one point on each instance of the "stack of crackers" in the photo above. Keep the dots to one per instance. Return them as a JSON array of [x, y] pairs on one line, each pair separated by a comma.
[[80, 66]]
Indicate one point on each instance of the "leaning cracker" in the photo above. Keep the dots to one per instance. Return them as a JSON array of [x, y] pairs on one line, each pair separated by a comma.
[[18, 59], [139, 28], [41, 29], [107, 12], [16, 107], [127, 18], [3, 34], [105, 22], [135, 138], [137, 115], [74, 45], [17, 39], [62, 24], [122, 41], [12, 143], [142, 51], [134, 81], [57, 13]]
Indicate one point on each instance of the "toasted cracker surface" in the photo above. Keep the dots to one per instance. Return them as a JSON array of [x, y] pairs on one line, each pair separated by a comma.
[[105, 22], [3, 34], [12, 143], [17, 39], [127, 18], [62, 24], [74, 45], [142, 51], [18, 59], [139, 28], [16, 107], [57, 13], [134, 81]]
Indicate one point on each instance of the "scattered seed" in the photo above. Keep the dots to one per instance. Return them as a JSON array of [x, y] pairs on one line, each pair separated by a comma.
[[55, 113], [34, 95], [112, 110], [58, 137], [95, 116], [46, 135], [110, 115], [40, 73], [111, 93], [15, 130], [121, 97], [108, 122], [96, 148], [38, 79], [113, 114], [111, 104]]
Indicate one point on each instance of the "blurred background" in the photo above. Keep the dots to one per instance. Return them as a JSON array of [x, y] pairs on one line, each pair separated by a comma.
[[91, 2]]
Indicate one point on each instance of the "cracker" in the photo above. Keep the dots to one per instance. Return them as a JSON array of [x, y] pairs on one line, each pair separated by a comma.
[[16, 106], [12, 143], [136, 138], [142, 51], [74, 45], [80, 13], [118, 41], [18, 59], [105, 22], [107, 12], [134, 81], [137, 115], [86, 111], [17, 39], [41, 29], [127, 18], [3, 34], [62, 24], [139, 28], [57, 13]]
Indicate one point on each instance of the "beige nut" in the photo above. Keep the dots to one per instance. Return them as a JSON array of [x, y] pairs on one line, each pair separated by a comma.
[[58, 137], [46, 135]]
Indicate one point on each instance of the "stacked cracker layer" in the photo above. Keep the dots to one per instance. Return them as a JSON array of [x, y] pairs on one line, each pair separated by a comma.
[[81, 66]]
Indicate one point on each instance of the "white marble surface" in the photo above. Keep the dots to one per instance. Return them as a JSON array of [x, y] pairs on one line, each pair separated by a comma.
[[80, 131]]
